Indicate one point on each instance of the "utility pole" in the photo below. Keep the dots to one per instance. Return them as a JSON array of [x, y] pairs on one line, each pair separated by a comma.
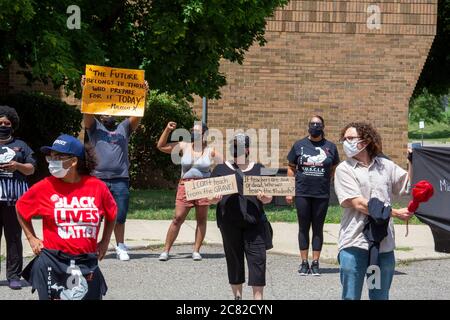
[[205, 110]]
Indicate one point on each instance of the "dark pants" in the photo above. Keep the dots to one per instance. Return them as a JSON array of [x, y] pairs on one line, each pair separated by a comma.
[[311, 211], [241, 239], [13, 236]]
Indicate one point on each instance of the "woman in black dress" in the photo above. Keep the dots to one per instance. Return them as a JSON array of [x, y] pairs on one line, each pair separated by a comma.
[[242, 222]]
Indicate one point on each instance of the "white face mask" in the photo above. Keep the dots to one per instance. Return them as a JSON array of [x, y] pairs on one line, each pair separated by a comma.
[[351, 148], [56, 168]]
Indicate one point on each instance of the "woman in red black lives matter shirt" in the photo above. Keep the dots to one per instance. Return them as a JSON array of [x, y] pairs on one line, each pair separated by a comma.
[[71, 204]]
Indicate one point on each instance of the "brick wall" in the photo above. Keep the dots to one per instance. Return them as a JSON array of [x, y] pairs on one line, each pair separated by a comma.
[[16, 82], [321, 58]]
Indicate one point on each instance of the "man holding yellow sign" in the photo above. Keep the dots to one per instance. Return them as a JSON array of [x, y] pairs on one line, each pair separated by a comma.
[[111, 92]]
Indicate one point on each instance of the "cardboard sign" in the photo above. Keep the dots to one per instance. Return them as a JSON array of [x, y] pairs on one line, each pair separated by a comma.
[[113, 91], [207, 188], [270, 186]]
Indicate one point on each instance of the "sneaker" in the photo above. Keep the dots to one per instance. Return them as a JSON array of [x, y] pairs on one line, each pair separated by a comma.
[[121, 252], [304, 268], [315, 268], [164, 256], [196, 256], [14, 284]]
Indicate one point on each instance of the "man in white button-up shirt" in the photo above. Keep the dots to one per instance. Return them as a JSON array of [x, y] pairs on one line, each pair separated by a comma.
[[364, 175]]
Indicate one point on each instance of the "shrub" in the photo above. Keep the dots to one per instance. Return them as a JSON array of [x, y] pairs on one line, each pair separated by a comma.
[[149, 166], [42, 119], [426, 106]]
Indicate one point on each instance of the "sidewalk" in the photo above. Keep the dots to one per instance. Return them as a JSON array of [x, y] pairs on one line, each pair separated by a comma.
[[419, 244]]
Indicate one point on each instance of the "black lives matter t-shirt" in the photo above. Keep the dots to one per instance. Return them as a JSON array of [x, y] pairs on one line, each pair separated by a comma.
[[314, 161]]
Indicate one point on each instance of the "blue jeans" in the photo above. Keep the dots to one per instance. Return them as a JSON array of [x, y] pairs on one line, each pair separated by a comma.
[[120, 190], [353, 269]]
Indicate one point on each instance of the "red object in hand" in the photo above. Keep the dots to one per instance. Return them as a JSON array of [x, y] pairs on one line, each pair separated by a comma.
[[421, 192]]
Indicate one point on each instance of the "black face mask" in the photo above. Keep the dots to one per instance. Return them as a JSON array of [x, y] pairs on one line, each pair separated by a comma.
[[315, 132], [196, 136], [5, 132], [237, 153], [109, 123]]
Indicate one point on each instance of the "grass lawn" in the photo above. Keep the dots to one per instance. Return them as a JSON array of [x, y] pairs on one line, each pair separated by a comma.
[[160, 204], [436, 132]]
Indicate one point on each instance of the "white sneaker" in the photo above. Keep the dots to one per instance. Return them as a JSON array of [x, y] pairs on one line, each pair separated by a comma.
[[121, 252], [164, 256], [196, 256]]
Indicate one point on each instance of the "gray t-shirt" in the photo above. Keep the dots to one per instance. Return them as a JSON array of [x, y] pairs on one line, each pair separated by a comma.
[[111, 148], [381, 179]]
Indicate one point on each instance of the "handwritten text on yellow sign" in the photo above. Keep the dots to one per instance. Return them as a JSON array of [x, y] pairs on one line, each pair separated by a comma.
[[113, 91]]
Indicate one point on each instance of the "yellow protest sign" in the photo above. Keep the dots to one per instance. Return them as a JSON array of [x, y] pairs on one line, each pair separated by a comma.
[[207, 188], [270, 186], [113, 91]]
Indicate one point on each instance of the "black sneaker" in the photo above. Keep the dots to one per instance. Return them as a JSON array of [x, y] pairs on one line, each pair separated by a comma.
[[303, 269], [315, 268]]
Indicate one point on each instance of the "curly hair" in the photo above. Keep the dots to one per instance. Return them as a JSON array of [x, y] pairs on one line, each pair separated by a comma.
[[87, 165], [367, 133], [11, 114]]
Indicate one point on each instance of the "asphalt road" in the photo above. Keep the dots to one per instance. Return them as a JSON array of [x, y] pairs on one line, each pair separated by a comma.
[[144, 277]]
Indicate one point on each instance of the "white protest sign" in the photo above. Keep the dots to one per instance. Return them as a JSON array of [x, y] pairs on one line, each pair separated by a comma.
[[269, 186], [207, 188]]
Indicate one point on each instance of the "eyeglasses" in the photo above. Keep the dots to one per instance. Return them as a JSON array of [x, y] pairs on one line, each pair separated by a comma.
[[58, 157], [349, 139]]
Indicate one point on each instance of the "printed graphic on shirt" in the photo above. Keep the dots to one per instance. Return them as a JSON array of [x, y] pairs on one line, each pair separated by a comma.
[[312, 165], [111, 137], [6, 155], [77, 218], [75, 287]]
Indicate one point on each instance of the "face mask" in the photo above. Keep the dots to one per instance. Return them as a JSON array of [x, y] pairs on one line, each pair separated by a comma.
[[56, 168], [109, 123], [5, 132], [196, 136], [238, 152], [315, 132], [351, 148]]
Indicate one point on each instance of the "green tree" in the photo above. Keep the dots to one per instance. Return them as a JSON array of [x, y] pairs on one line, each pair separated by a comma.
[[149, 166], [178, 42], [436, 72], [426, 106]]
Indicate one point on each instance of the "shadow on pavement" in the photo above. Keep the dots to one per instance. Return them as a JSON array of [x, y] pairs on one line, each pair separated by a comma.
[[4, 283], [173, 256], [329, 270]]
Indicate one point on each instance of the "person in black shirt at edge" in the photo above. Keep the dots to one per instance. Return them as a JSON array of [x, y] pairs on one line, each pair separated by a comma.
[[16, 162], [241, 220], [312, 160]]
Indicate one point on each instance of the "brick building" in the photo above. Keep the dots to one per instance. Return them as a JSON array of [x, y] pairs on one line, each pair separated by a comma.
[[322, 57]]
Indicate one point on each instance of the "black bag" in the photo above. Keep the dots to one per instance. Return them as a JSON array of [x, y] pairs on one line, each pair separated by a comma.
[[268, 234]]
